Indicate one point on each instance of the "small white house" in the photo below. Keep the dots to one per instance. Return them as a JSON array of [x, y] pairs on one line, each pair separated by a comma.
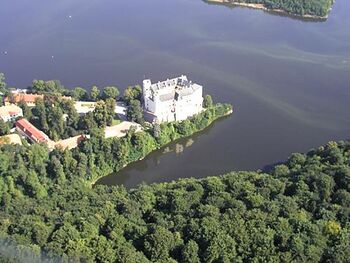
[[10, 112], [17, 91], [172, 100]]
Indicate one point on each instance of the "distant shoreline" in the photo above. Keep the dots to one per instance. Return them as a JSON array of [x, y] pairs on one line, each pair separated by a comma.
[[264, 8]]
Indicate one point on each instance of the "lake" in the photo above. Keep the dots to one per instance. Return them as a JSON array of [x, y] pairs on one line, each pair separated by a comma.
[[288, 79]]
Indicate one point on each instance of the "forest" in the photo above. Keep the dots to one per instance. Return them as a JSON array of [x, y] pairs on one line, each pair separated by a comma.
[[296, 212], [314, 8]]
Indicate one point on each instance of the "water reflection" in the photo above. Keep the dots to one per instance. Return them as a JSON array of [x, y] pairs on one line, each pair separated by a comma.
[[132, 174], [179, 148]]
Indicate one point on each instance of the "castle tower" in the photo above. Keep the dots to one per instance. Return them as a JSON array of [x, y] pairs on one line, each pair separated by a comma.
[[146, 89], [147, 93]]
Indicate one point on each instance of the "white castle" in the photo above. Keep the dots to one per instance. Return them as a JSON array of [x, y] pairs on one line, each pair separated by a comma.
[[172, 100]]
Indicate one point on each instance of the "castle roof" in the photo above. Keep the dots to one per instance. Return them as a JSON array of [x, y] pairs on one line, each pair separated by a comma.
[[173, 89]]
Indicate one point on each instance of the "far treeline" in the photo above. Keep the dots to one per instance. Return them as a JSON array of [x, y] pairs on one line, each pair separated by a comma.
[[316, 8]]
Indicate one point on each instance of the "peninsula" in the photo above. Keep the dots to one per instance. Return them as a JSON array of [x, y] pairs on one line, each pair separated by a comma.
[[313, 9], [105, 130]]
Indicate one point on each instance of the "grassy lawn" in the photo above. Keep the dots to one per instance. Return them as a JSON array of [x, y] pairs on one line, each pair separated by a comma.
[[116, 122]]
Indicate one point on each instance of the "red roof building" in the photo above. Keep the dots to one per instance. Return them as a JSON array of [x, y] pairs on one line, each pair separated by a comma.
[[30, 131], [29, 99]]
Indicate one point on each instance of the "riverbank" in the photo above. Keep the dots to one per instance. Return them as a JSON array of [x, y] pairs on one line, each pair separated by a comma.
[[169, 133], [272, 10]]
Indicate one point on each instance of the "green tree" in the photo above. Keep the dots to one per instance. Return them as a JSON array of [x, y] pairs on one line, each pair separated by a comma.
[[189, 253], [4, 128], [79, 94], [159, 244], [50, 86], [135, 112], [27, 111], [110, 93], [2, 83], [100, 114], [207, 101], [3, 90], [87, 122], [156, 130], [34, 186], [110, 107], [95, 93], [132, 93], [68, 108], [40, 113]]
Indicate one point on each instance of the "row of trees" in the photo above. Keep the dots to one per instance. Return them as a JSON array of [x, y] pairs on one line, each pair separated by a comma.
[[298, 212], [78, 93]]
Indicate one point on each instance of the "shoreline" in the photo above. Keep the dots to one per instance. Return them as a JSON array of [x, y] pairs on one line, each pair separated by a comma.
[[92, 183], [264, 8]]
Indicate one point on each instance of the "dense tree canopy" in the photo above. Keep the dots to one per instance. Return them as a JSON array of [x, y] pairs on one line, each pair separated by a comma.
[[4, 128], [95, 93], [318, 8], [298, 212], [132, 93], [110, 92], [79, 93], [135, 111], [207, 101], [2, 82]]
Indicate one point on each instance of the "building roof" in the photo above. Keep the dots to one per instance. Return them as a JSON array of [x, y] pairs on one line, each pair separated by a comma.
[[168, 96], [31, 131], [27, 98], [10, 110], [173, 89], [169, 83], [185, 92]]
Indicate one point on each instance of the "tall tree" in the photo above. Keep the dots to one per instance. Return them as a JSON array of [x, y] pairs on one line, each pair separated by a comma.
[[132, 93], [100, 114], [110, 107], [40, 112], [110, 92], [208, 101], [27, 111], [95, 93], [4, 128], [2, 83], [135, 112], [79, 94]]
